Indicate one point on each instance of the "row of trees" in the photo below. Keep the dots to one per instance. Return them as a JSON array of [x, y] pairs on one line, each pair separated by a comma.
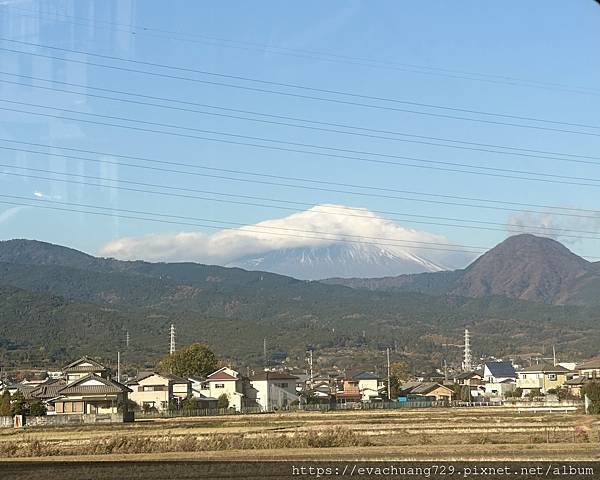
[[17, 405]]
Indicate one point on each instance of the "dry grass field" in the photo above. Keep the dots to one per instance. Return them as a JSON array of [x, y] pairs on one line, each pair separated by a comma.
[[426, 434]]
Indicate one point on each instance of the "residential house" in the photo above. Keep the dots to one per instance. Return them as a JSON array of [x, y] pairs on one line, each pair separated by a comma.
[[151, 390], [541, 378], [349, 392], [229, 382], [500, 378], [322, 392], [589, 369], [91, 394], [274, 390], [36, 379], [431, 391], [47, 393], [498, 372], [199, 388], [88, 389], [469, 378], [82, 367], [575, 385], [370, 386]]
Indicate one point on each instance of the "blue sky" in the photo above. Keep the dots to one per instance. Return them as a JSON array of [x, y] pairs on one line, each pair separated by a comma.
[[541, 41]]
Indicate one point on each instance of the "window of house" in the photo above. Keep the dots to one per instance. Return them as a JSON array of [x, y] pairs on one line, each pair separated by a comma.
[[219, 385], [552, 376]]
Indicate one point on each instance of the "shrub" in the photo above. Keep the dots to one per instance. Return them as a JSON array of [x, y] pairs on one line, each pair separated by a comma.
[[37, 409], [223, 401], [592, 391]]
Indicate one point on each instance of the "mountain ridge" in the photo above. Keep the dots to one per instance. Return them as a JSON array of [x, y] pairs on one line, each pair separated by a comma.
[[525, 267], [56, 302]]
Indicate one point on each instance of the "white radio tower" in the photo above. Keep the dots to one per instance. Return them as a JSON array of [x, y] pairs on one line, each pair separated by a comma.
[[467, 365], [172, 343]]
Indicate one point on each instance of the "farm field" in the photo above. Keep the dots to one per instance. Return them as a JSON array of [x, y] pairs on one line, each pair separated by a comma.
[[473, 434]]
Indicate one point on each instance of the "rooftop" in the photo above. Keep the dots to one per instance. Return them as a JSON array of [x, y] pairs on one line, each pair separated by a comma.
[[501, 369], [273, 376], [546, 368]]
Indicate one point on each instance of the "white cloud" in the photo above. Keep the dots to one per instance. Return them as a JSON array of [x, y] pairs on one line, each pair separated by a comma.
[[319, 226], [567, 229], [10, 213]]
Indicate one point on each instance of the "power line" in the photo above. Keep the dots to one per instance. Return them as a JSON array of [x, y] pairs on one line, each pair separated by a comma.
[[280, 184], [222, 224], [322, 56], [271, 147], [280, 177], [576, 158], [506, 227], [39, 204], [287, 85]]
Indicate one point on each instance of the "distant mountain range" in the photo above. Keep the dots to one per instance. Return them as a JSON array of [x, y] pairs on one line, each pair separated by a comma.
[[525, 267], [57, 303]]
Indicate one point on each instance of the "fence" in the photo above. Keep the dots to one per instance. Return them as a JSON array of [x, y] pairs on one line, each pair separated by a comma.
[[70, 419], [197, 412], [296, 408]]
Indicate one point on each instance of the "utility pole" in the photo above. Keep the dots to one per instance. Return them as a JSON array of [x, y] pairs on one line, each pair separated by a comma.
[[127, 338], [172, 340], [389, 386], [310, 365], [554, 355], [265, 351], [119, 367]]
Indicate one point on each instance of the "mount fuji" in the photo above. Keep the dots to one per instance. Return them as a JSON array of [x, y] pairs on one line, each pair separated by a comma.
[[324, 241], [338, 259]]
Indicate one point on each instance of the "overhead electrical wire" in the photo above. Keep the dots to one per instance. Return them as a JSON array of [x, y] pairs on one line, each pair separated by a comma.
[[245, 227], [281, 84], [309, 152], [506, 227], [222, 224], [316, 55], [514, 151], [549, 178], [272, 177]]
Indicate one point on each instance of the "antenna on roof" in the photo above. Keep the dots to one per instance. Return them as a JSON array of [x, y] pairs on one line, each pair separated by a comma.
[[172, 342]]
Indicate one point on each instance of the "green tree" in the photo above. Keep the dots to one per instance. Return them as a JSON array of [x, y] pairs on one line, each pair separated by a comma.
[[197, 359], [37, 409], [592, 391], [398, 375], [5, 404], [189, 403], [18, 406], [223, 401]]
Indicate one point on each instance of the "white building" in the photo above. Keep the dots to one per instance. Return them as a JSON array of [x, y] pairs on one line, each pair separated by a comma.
[[229, 382], [370, 385], [274, 390], [159, 391]]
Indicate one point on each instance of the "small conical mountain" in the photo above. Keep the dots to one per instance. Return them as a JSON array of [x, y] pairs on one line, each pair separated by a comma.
[[526, 267]]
